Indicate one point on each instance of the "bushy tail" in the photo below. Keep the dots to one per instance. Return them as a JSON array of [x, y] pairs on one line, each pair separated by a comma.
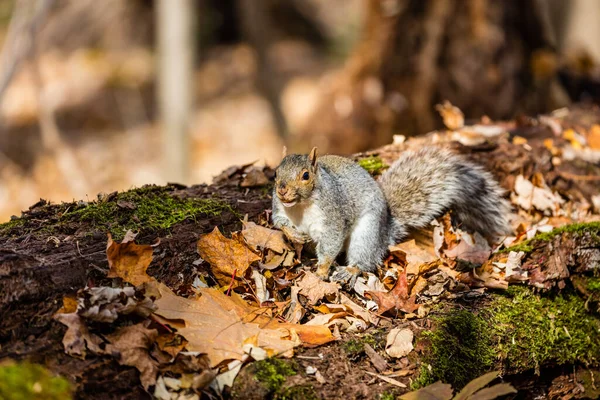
[[423, 185]]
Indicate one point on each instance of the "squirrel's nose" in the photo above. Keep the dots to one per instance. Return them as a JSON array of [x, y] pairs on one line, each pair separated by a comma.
[[282, 189]]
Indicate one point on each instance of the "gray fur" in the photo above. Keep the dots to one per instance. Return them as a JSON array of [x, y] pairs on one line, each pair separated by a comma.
[[343, 208], [422, 185]]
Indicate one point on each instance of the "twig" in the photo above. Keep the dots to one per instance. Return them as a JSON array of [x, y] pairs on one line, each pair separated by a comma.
[[568, 175], [231, 284]]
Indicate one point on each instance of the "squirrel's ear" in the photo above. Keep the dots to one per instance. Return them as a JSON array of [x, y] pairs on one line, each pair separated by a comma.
[[284, 152], [313, 156]]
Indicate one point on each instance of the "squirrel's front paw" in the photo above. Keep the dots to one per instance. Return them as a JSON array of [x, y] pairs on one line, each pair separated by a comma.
[[322, 271], [345, 275], [295, 236]]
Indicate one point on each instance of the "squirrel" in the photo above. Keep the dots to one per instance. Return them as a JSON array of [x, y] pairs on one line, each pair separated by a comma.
[[335, 203]]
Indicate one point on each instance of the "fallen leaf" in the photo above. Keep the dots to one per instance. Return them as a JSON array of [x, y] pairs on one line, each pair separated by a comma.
[[219, 325], [227, 257], [315, 289], [435, 391], [254, 177], [593, 137], [259, 237], [105, 304], [452, 116], [128, 261], [472, 248], [414, 255], [171, 343], [260, 282], [476, 384], [399, 342], [272, 260], [130, 346], [499, 390], [78, 339], [527, 196], [69, 305], [396, 299], [349, 308], [371, 283]]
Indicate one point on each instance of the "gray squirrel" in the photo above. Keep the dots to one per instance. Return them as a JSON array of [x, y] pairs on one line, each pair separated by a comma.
[[335, 203]]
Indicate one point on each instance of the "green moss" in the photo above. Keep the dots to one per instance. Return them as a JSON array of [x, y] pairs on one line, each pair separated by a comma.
[[534, 330], [373, 164], [299, 392], [7, 227], [272, 373], [150, 208], [522, 330], [353, 348], [593, 285], [527, 246], [387, 396], [25, 381], [459, 350]]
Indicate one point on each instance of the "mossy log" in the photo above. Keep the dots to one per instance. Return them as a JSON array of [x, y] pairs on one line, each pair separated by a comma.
[[551, 328]]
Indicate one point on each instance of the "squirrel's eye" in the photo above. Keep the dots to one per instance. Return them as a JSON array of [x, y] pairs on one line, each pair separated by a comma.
[[305, 176]]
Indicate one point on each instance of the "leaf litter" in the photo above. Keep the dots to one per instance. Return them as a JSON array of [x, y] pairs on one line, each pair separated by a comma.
[[268, 302]]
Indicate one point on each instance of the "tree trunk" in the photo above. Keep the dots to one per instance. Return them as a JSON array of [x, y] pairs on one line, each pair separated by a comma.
[[486, 57]]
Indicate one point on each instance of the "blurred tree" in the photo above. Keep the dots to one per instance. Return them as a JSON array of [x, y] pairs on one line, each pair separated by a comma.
[[494, 58], [176, 61]]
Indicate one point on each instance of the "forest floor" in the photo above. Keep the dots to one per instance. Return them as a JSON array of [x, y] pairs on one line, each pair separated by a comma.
[[183, 310]]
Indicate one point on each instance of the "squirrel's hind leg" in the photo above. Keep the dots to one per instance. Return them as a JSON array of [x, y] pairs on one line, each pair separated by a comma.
[[367, 243]]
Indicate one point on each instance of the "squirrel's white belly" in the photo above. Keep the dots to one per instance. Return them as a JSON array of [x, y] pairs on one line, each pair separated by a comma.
[[308, 219]]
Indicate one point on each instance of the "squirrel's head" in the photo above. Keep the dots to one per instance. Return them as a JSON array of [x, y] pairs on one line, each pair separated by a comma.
[[295, 177]]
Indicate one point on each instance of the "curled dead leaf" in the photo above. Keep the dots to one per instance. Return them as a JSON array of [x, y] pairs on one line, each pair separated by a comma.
[[227, 257]]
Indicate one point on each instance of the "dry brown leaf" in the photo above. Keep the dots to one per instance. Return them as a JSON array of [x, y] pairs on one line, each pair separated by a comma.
[[399, 342], [105, 304], [78, 339], [435, 391], [272, 260], [227, 257], [396, 299], [219, 325], [171, 343], [476, 384], [131, 346], [315, 289], [527, 195], [254, 177], [452, 116], [593, 137], [414, 255], [128, 261], [493, 392], [259, 237], [473, 248]]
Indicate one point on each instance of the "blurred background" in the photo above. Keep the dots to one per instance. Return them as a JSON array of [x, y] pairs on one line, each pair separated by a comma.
[[98, 96]]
